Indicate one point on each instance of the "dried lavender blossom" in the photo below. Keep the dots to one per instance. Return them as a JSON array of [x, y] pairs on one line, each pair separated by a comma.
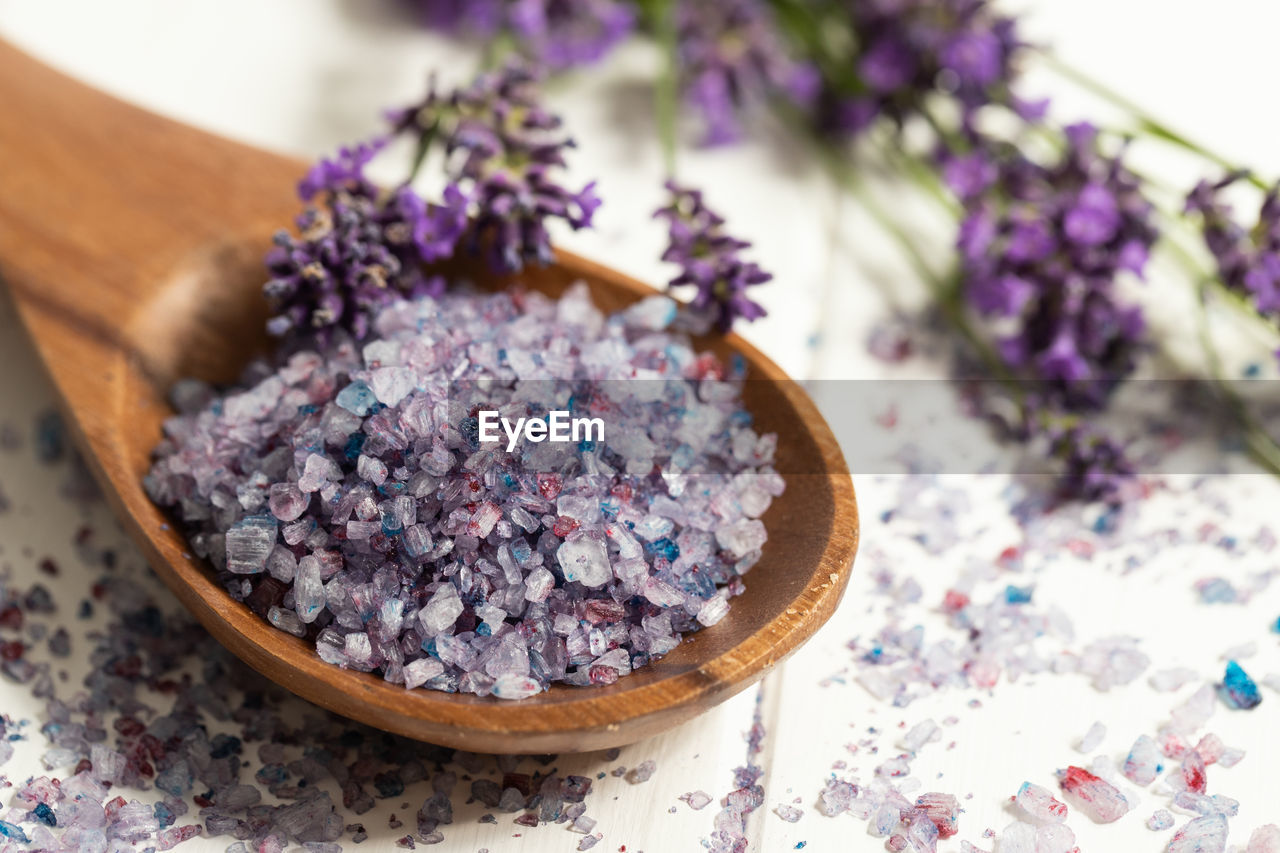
[[503, 151], [347, 495], [709, 260], [911, 51], [555, 34], [730, 58], [1041, 248]]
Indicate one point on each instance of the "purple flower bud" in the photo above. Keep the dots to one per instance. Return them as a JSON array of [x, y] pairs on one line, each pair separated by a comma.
[[709, 260]]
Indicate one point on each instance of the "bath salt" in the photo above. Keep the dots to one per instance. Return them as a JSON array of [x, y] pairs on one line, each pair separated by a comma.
[[377, 500], [1096, 797]]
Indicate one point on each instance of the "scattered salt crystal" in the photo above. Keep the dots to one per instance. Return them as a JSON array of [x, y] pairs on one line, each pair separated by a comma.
[[642, 771], [1238, 690], [1018, 837], [1143, 762], [249, 542], [1169, 680], [1202, 835], [921, 733], [696, 799], [1096, 797], [1092, 738], [1039, 803], [1265, 839], [1160, 820], [790, 814], [1055, 838]]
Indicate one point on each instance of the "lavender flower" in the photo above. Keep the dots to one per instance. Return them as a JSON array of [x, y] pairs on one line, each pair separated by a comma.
[[731, 57], [502, 153], [1248, 260], [1095, 467], [554, 34], [709, 260], [358, 250], [1041, 247], [910, 50]]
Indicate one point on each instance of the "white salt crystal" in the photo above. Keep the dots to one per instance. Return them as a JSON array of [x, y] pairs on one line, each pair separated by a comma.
[[1018, 837], [308, 589], [585, 559], [441, 611], [1092, 738], [538, 584], [249, 542], [422, 670], [713, 610], [742, 537], [515, 687]]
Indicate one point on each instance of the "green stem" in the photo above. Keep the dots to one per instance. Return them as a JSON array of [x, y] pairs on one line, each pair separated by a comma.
[[666, 91], [1144, 121]]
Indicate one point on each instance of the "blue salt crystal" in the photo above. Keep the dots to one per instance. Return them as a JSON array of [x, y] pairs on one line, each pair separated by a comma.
[[1216, 591], [357, 398], [1238, 690], [9, 830], [44, 814], [1018, 594]]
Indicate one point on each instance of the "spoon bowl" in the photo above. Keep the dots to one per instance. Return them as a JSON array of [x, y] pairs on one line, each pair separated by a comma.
[[132, 249]]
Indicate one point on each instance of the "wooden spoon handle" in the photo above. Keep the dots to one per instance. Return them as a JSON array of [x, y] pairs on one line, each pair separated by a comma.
[[101, 201]]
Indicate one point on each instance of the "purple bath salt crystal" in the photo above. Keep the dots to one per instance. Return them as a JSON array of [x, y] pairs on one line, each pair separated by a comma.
[[1142, 765], [1265, 839], [1096, 797], [1202, 835], [1039, 803], [642, 771], [1160, 820], [696, 799], [789, 813], [380, 522]]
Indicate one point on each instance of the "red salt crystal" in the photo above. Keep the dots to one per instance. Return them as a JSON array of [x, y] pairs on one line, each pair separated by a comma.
[[11, 618], [602, 674], [202, 801], [113, 807], [82, 766], [707, 366], [1009, 556], [98, 590], [129, 727], [564, 526], [549, 485], [888, 419], [527, 819], [1193, 772], [11, 650], [602, 610], [954, 601], [622, 492], [1171, 744], [145, 769], [1080, 548], [49, 567]]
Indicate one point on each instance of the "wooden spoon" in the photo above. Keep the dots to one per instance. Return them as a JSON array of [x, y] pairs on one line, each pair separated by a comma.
[[132, 247]]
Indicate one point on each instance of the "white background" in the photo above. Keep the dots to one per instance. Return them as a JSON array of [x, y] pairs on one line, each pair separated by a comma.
[[303, 76]]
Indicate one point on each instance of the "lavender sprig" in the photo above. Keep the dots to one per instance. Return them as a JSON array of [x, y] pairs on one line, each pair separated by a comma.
[[1247, 259], [360, 247], [357, 250], [502, 153], [553, 34], [731, 58], [1041, 247], [710, 260]]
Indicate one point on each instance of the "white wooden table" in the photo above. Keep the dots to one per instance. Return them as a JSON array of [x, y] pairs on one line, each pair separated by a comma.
[[302, 76]]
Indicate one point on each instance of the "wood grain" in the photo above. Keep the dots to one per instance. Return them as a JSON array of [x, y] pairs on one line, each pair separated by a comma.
[[131, 246]]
